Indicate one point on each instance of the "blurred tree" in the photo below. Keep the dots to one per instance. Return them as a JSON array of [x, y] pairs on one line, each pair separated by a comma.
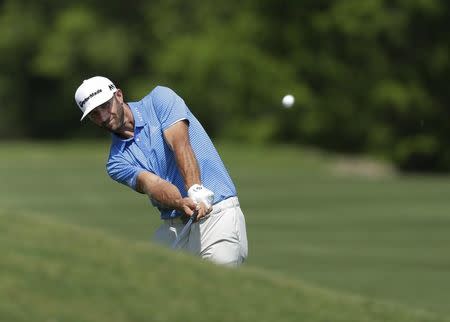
[[368, 76], [376, 71]]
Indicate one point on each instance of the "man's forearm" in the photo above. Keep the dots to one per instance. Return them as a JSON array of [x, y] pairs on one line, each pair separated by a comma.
[[177, 136], [187, 165], [163, 192]]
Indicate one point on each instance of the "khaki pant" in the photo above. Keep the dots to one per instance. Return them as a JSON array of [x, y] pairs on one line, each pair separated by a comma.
[[220, 237]]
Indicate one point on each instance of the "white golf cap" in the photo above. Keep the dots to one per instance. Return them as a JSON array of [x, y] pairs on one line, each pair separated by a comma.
[[94, 92]]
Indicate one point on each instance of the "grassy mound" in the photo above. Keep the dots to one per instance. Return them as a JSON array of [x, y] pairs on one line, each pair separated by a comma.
[[52, 271]]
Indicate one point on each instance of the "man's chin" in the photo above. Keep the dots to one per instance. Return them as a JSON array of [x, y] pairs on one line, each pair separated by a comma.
[[110, 128]]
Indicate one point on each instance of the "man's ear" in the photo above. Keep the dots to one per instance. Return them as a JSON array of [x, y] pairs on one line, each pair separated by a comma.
[[119, 95]]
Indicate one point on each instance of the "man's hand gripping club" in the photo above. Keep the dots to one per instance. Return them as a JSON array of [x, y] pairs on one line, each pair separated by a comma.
[[203, 199]]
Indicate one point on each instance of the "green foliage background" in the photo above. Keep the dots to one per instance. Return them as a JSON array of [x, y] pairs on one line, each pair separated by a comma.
[[368, 76]]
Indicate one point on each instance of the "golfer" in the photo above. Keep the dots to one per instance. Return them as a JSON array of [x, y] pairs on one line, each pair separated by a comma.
[[159, 148]]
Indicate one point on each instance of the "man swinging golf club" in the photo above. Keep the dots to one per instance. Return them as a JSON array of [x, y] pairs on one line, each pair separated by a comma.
[[159, 148]]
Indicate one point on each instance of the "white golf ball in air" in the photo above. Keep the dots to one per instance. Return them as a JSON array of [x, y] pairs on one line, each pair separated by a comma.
[[288, 101]]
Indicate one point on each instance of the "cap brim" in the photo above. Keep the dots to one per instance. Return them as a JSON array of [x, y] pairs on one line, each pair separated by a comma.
[[86, 113], [90, 109]]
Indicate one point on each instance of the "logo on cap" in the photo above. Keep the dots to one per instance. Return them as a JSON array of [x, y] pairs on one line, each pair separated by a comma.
[[81, 103]]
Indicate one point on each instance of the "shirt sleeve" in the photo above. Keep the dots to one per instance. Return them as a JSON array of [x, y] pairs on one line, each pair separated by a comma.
[[169, 107], [123, 172]]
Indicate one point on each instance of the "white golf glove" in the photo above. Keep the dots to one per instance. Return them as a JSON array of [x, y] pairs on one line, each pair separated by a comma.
[[199, 193]]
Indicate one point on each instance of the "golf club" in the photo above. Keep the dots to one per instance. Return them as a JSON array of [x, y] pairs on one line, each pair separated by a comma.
[[185, 230]]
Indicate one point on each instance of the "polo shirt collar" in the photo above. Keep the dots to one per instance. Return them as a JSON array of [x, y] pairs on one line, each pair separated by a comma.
[[139, 121], [138, 115]]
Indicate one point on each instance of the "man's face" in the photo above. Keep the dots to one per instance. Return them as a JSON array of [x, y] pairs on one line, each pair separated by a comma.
[[109, 115]]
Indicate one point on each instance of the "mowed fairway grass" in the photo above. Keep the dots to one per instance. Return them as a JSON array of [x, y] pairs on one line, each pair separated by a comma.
[[385, 238]]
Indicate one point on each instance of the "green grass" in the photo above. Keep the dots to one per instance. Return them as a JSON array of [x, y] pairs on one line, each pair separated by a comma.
[[384, 238], [58, 272]]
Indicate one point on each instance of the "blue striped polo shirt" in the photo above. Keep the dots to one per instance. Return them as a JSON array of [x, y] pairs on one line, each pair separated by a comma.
[[147, 150]]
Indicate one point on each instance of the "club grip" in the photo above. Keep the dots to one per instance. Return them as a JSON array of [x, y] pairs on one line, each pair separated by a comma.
[[194, 216]]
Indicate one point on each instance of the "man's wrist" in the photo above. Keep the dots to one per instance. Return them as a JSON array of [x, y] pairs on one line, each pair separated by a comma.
[[178, 204], [194, 187]]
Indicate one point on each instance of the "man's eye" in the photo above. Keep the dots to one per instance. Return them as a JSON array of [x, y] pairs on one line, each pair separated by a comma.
[[105, 106]]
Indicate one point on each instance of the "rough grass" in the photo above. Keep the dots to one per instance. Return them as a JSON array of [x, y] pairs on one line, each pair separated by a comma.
[[52, 271]]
